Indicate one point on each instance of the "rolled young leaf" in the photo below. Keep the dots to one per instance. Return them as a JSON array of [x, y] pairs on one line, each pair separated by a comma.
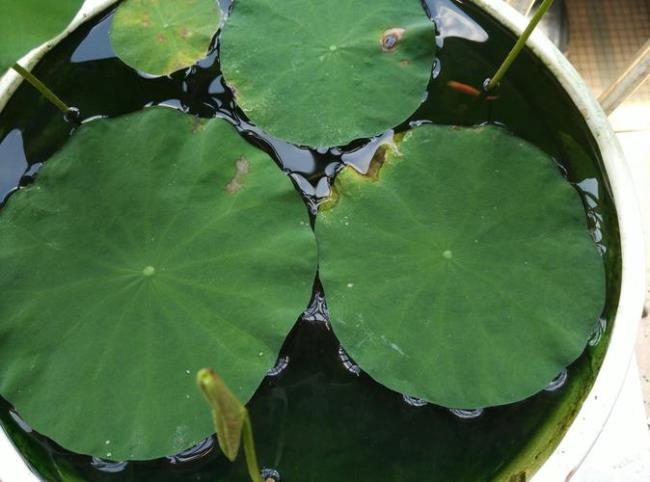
[[228, 413]]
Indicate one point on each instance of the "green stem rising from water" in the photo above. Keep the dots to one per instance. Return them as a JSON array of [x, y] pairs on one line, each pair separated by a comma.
[[521, 42], [41, 87]]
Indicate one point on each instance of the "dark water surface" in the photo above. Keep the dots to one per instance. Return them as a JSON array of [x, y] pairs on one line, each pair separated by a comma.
[[317, 416]]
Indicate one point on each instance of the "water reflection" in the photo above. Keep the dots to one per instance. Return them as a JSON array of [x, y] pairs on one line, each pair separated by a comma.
[[453, 22], [94, 46], [13, 162]]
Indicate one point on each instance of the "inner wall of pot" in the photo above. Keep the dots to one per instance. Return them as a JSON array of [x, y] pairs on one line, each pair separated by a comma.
[[317, 416]]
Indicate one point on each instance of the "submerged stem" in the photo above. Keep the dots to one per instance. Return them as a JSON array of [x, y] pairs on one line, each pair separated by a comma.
[[521, 42], [40, 86]]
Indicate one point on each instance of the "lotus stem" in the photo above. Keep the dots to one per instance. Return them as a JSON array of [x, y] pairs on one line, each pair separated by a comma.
[[41, 87], [249, 449], [521, 42]]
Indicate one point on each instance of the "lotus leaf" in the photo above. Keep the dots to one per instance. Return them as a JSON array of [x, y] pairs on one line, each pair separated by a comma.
[[150, 246], [461, 270], [326, 73], [162, 36], [25, 24]]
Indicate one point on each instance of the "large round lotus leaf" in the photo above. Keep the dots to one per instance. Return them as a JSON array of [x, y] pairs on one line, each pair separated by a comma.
[[326, 73], [464, 274], [149, 247], [25, 24], [162, 36]]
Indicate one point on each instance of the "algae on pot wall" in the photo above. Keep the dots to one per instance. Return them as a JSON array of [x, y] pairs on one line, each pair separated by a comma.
[[318, 398]]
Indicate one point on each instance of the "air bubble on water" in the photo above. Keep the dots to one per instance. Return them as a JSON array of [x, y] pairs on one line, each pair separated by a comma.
[[107, 442], [599, 331], [466, 414], [558, 382], [201, 449], [347, 362], [317, 311], [279, 367], [21, 423], [107, 465], [188, 372], [270, 474], [414, 402], [350, 285]]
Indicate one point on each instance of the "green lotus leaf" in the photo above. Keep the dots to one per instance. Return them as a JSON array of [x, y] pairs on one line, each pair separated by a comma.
[[162, 36], [326, 73], [25, 24], [150, 246], [462, 272]]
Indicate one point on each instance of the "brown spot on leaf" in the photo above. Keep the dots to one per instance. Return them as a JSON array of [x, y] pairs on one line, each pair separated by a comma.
[[199, 125], [184, 33], [160, 38], [146, 21], [330, 201], [390, 39], [376, 162], [242, 168], [404, 62]]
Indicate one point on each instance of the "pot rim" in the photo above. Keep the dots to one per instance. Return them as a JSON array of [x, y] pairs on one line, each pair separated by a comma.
[[581, 436], [574, 447]]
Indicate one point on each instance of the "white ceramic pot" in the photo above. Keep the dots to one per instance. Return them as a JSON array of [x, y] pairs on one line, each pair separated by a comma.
[[584, 431]]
